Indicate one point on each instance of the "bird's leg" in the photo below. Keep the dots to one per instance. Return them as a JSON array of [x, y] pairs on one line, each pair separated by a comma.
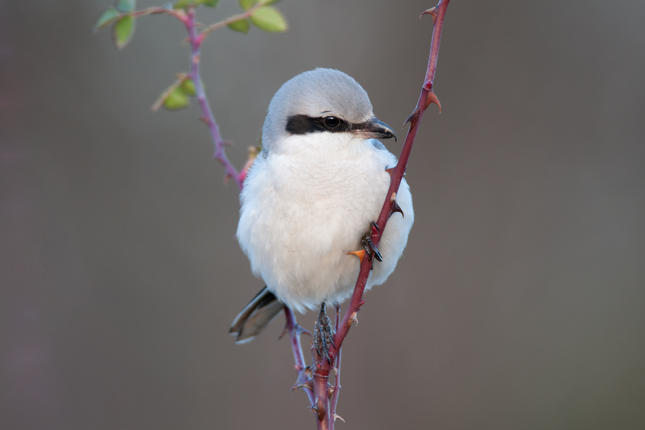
[[323, 333]]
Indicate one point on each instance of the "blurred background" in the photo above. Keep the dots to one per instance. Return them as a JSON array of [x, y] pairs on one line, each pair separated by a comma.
[[520, 300]]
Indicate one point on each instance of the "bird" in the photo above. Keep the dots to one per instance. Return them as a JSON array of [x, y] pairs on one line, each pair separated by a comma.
[[311, 194]]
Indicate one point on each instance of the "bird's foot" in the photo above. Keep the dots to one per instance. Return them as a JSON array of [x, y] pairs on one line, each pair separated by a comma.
[[323, 334], [368, 249]]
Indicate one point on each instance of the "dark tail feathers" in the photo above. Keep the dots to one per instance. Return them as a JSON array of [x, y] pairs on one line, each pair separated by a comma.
[[255, 316]]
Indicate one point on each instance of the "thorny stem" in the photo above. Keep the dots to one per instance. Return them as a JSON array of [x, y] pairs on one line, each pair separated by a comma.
[[304, 373], [195, 45], [426, 98], [333, 402]]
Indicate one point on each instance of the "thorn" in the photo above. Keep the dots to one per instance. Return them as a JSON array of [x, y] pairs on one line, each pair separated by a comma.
[[308, 372], [360, 254], [338, 417], [297, 328], [362, 302], [390, 170], [393, 197], [284, 331], [432, 12], [412, 117], [353, 319], [434, 99], [302, 330], [429, 97], [205, 120], [306, 385], [397, 208]]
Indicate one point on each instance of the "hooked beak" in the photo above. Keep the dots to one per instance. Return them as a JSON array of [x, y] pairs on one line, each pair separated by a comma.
[[375, 128]]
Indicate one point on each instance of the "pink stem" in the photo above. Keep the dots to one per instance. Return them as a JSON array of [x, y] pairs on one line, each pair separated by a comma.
[[334, 397], [195, 45], [304, 377]]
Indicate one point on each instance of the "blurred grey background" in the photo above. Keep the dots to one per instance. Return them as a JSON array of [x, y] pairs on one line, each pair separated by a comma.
[[519, 303]]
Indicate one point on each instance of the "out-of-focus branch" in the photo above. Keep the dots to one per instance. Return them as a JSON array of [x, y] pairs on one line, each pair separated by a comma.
[[179, 14], [303, 381], [229, 20], [207, 114]]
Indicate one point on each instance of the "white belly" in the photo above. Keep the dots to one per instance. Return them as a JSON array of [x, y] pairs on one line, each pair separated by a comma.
[[305, 208]]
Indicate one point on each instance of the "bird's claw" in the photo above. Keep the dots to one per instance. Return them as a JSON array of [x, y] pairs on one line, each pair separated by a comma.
[[370, 247]]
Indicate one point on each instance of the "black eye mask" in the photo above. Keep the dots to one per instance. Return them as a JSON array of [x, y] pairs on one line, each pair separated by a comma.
[[303, 124]]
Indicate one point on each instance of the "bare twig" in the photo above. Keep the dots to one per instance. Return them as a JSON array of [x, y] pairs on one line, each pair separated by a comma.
[[336, 388], [181, 77], [179, 14], [304, 381], [195, 45], [223, 23]]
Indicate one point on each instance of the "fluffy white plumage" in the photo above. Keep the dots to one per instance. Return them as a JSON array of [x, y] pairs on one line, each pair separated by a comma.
[[309, 198]]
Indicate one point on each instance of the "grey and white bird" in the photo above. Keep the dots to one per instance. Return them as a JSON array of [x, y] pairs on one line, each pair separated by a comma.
[[312, 193]]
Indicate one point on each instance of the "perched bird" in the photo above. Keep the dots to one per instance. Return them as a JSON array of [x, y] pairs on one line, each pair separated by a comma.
[[311, 195]]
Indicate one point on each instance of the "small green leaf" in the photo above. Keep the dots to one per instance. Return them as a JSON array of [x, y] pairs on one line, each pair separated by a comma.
[[123, 30], [247, 4], [269, 19], [182, 4], [177, 99], [125, 6], [241, 25], [106, 18], [188, 87]]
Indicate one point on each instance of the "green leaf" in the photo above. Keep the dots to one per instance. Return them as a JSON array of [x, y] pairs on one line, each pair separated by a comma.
[[188, 87], [182, 4], [107, 17], [269, 19], [123, 30], [125, 6], [247, 4], [177, 99], [241, 25]]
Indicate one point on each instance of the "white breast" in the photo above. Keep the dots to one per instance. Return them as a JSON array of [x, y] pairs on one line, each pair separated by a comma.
[[305, 207]]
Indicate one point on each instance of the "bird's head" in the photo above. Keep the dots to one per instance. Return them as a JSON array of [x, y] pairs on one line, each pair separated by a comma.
[[321, 101]]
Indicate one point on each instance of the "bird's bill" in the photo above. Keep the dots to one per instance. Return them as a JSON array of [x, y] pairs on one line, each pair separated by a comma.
[[375, 128]]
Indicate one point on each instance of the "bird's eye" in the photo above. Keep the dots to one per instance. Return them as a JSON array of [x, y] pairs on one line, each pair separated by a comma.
[[331, 122]]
